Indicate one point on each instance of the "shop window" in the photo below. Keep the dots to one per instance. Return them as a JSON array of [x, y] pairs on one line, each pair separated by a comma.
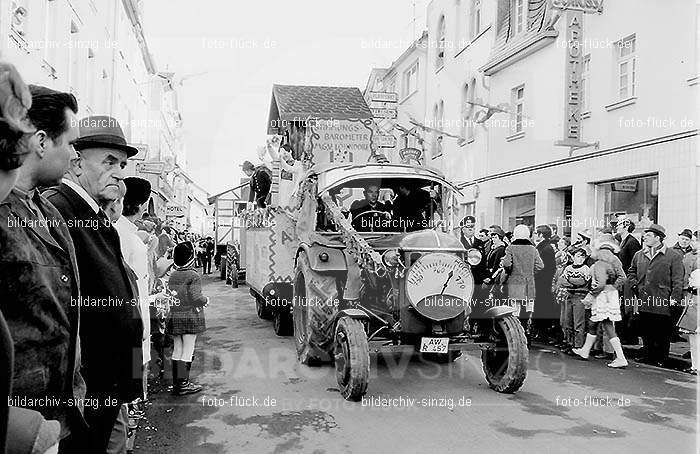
[[636, 198], [518, 210]]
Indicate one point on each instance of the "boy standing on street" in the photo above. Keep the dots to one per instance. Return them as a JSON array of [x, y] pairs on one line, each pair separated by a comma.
[[576, 279]]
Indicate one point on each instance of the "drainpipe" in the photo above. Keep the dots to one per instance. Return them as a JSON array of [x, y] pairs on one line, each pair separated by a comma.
[[114, 58]]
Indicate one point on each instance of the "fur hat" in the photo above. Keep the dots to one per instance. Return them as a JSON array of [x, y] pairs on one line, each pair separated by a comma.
[[183, 254], [606, 241], [521, 232]]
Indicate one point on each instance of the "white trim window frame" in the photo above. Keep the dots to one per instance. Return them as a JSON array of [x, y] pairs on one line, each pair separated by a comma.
[[438, 123], [585, 83], [517, 96], [475, 19], [466, 109], [410, 80], [440, 47], [626, 67]]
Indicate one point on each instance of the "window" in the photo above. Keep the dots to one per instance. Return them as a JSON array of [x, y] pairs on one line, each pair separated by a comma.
[[438, 120], [475, 19], [585, 75], [637, 199], [626, 67], [390, 86], [19, 17], [76, 53], [440, 54], [521, 7], [471, 98], [518, 102], [467, 129], [466, 110], [518, 210], [410, 80]]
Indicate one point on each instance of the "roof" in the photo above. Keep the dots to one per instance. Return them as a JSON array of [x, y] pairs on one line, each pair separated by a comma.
[[299, 102]]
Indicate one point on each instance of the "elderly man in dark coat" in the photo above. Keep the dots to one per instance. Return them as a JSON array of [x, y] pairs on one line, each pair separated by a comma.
[[111, 330], [656, 277]]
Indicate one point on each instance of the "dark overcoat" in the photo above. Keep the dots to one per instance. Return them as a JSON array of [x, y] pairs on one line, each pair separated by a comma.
[[544, 305], [657, 279], [111, 330]]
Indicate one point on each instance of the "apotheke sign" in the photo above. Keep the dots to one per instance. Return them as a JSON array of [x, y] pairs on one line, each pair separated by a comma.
[[587, 6]]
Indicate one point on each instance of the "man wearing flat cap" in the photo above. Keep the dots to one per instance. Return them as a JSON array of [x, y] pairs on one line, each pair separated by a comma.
[[111, 330], [656, 278]]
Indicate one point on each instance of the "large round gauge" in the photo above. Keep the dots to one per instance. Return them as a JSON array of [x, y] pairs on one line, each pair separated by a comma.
[[439, 285]]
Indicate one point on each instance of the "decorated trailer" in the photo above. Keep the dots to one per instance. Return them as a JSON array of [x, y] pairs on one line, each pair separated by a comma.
[[320, 125]]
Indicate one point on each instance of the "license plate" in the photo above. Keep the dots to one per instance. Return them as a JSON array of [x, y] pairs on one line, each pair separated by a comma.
[[434, 344]]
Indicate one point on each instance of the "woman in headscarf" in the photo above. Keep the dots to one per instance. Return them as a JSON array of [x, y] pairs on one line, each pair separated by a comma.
[[521, 261]]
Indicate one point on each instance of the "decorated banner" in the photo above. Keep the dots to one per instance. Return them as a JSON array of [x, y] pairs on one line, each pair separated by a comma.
[[340, 141]]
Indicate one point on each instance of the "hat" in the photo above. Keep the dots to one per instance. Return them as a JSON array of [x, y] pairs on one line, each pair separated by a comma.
[[498, 231], [138, 191], [606, 241], [686, 233], [102, 131], [183, 254], [521, 232], [247, 165], [585, 234], [467, 220], [656, 228]]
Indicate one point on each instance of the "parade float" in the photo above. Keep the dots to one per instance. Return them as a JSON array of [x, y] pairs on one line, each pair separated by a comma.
[[396, 286]]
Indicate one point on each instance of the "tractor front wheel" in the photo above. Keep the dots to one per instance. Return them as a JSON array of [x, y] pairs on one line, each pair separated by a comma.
[[351, 355], [505, 365]]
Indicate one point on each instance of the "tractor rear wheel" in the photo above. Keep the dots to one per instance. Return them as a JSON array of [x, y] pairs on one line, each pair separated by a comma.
[[314, 306]]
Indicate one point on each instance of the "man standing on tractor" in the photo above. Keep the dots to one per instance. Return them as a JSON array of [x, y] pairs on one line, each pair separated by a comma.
[[260, 182]]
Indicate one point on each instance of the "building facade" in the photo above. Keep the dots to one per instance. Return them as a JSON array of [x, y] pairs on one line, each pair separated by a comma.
[[406, 77], [461, 34], [551, 116], [97, 51], [595, 129]]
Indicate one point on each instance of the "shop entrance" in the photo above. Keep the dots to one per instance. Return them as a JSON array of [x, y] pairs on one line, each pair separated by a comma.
[[560, 202]]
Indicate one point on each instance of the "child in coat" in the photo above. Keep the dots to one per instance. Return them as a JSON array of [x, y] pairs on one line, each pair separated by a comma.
[[186, 317], [575, 279]]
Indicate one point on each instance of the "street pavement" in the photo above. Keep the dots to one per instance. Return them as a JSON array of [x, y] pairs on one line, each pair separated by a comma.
[[258, 399]]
